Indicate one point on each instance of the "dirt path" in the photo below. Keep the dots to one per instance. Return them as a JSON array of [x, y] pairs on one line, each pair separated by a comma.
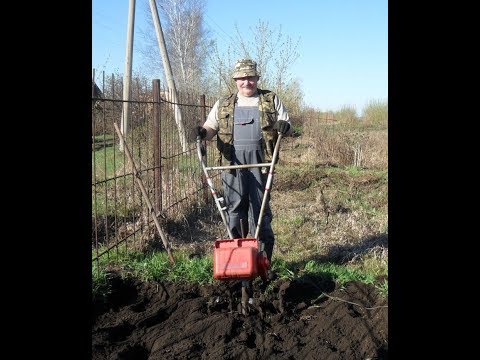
[[308, 319]]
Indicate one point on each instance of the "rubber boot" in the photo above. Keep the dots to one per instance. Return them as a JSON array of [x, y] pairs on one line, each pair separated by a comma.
[[268, 248], [247, 297]]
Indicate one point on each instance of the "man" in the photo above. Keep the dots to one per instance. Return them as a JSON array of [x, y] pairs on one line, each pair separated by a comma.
[[247, 124]]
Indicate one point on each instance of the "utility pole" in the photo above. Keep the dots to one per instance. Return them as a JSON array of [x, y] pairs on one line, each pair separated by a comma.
[[168, 74], [128, 72]]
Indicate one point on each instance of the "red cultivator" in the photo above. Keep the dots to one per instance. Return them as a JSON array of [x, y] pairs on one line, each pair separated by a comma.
[[241, 258]]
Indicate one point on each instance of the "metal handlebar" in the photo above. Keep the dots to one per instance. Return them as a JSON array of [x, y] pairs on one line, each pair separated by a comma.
[[218, 201]]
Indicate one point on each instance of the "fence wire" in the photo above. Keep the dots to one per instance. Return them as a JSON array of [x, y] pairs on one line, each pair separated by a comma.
[[171, 175]]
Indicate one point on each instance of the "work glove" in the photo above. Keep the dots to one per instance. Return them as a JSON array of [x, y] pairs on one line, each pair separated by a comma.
[[282, 126], [199, 131]]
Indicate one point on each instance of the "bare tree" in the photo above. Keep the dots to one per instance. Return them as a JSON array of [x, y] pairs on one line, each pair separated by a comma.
[[186, 40], [274, 54], [220, 70]]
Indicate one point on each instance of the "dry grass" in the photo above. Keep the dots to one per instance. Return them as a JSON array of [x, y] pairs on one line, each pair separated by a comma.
[[338, 218], [343, 144], [324, 207], [322, 210]]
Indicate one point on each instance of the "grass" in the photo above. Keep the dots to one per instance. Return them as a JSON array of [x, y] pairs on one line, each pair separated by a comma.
[[102, 138], [330, 215], [156, 266], [106, 161], [356, 200], [100, 285]]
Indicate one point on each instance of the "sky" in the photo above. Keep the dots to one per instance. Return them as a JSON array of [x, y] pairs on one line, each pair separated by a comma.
[[343, 44]]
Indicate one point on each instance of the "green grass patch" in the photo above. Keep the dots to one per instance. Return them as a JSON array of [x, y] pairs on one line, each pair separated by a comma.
[[188, 162], [100, 285], [156, 266], [340, 273], [103, 137], [106, 161], [353, 170]]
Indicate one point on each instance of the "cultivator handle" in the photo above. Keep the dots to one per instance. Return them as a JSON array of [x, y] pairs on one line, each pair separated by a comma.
[[218, 202], [268, 185]]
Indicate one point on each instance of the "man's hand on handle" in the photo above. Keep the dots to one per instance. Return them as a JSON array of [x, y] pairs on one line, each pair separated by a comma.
[[200, 131], [282, 126]]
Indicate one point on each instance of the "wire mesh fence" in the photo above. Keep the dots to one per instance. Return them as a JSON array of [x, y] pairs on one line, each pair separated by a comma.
[[157, 133]]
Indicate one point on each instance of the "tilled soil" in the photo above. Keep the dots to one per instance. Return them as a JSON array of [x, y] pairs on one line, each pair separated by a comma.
[[307, 318]]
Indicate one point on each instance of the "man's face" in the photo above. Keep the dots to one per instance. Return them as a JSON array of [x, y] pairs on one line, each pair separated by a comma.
[[247, 86]]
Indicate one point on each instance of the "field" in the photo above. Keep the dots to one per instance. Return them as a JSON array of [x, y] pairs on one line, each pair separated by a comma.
[[324, 212], [293, 321]]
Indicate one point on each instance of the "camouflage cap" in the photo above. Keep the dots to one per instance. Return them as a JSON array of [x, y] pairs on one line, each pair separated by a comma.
[[245, 67]]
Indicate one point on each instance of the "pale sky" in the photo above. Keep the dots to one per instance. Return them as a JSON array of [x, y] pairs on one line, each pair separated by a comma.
[[343, 43]]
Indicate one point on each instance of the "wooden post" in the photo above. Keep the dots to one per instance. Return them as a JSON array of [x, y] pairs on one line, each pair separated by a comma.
[[157, 146]]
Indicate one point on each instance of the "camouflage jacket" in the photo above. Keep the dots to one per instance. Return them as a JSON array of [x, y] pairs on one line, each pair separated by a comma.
[[268, 117]]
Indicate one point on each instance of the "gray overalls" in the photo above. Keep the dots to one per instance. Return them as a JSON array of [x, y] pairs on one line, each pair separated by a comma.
[[244, 188]]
